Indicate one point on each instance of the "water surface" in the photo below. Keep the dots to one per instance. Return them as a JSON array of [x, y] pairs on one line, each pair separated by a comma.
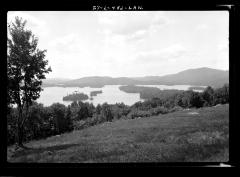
[[111, 94]]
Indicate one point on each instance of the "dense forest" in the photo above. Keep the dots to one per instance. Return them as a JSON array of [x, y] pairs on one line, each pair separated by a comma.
[[149, 92], [43, 121], [75, 97], [29, 120]]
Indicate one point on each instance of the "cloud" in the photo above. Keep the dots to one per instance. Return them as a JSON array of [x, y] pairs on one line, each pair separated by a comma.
[[131, 25], [121, 32], [67, 43], [169, 53], [223, 46], [30, 19], [202, 27], [222, 59], [37, 26]]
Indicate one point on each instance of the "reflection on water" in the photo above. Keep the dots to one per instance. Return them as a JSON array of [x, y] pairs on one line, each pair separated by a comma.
[[110, 94]]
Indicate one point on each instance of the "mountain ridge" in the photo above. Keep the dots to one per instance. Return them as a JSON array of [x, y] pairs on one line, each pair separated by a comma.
[[203, 76]]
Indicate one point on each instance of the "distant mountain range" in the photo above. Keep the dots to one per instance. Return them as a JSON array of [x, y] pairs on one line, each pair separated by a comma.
[[54, 81], [197, 77]]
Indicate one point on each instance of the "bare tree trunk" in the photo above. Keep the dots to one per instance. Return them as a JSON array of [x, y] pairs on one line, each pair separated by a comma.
[[20, 122], [19, 132], [26, 114]]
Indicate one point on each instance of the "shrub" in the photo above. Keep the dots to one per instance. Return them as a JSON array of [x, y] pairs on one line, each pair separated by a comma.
[[159, 110], [207, 96], [91, 121], [138, 113], [106, 112], [176, 108], [119, 110], [221, 95], [58, 112], [78, 125]]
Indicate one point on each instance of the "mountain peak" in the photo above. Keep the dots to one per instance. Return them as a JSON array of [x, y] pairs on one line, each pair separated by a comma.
[[203, 76], [202, 69]]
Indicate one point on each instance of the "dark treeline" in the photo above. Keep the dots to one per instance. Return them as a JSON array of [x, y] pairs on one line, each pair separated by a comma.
[[153, 92], [147, 93], [75, 97], [94, 93], [58, 118]]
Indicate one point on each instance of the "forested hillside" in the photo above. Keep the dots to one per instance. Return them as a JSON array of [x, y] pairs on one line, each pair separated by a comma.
[[194, 135], [57, 118], [198, 77]]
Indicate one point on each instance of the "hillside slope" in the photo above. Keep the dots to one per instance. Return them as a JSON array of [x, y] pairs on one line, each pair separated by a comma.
[[198, 77], [188, 135], [98, 81]]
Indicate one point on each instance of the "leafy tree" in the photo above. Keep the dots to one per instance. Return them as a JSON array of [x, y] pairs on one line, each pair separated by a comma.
[[33, 125], [225, 89], [207, 96], [69, 119], [90, 108], [196, 100], [74, 110], [26, 68], [106, 112], [82, 111], [186, 98], [178, 100], [192, 99], [58, 112], [137, 105], [98, 109], [221, 95], [74, 104]]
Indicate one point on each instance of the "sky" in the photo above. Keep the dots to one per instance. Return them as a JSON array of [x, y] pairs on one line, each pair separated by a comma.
[[129, 43]]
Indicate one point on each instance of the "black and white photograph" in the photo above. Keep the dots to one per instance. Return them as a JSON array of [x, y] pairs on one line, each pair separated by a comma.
[[117, 86]]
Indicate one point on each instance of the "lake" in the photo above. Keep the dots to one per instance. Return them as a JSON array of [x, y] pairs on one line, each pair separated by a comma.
[[110, 94]]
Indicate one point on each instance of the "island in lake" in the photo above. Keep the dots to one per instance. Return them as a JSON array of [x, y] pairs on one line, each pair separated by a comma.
[[147, 93], [75, 97], [94, 93]]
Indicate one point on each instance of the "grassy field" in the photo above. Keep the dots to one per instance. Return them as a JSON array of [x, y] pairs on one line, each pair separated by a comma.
[[183, 136]]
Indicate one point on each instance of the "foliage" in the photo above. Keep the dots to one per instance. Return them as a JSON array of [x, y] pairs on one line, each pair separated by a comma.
[[138, 114], [119, 110], [26, 68], [106, 112], [221, 95], [75, 97], [57, 118], [69, 121], [174, 137], [207, 96], [159, 110], [94, 93]]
